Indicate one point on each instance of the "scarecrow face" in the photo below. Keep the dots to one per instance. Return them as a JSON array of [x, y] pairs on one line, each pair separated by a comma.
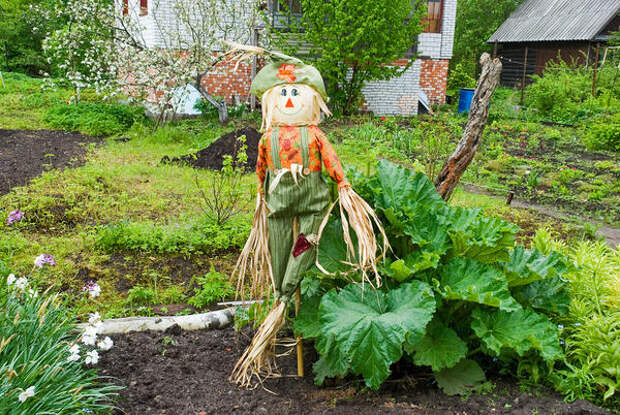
[[293, 104]]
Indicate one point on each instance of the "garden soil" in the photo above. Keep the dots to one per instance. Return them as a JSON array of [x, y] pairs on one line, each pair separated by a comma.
[[25, 154], [179, 373], [228, 144]]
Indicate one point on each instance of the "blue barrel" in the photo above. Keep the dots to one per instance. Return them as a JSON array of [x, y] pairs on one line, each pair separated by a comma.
[[466, 95]]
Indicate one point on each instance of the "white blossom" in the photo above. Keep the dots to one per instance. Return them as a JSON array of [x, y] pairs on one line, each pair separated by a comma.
[[21, 283], [10, 279], [28, 393], [92, 357], [106, 344]]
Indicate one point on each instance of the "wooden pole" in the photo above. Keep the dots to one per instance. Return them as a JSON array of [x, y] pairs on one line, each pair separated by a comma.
[[598, 45], [300, 344], [455, 166], [523, 77], [495, 50]]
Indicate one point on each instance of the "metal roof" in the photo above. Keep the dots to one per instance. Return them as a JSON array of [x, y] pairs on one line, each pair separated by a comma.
[[556, 20]]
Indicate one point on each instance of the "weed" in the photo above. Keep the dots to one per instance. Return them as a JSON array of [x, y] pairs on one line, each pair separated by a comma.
[[211, 287]]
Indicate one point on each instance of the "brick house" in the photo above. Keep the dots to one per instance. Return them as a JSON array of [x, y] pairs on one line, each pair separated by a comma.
[[427, 76]]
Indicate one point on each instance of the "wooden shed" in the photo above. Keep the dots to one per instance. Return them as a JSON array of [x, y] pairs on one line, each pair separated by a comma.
[[543, 30]]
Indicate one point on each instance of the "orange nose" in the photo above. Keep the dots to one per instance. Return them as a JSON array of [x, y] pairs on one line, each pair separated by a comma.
[[289, 104]]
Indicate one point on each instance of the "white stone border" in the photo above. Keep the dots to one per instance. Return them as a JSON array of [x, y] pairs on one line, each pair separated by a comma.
[[211, 320]]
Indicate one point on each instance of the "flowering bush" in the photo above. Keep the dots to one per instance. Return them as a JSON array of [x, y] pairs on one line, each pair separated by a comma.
[[41, 365]]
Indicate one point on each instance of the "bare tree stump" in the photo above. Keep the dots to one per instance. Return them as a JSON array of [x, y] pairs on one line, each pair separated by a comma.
[[455, 166]]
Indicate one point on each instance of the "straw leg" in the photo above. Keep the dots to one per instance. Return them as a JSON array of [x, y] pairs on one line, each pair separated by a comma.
[[300, 345]]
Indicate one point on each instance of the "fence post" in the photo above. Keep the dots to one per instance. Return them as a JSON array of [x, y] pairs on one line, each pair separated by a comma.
[[598, 45], [523, 77]]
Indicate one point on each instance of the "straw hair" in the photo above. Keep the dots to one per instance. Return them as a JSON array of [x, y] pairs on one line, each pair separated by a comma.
[[259, 359], [255, 256], [358, 215], [270, 100]]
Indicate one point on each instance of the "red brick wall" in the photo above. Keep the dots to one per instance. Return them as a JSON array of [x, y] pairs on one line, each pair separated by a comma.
[[226, 82], [434, 79]]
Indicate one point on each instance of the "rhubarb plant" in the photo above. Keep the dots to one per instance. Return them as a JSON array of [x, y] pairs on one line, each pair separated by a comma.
[[455, 288]]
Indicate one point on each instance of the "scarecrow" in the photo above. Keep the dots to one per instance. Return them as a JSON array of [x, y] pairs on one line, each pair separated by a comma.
[[294, 201]]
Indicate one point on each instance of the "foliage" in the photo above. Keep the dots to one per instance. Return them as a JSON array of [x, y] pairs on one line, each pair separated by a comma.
[[213, 286], [346, 58], [21, 36], [592, 326], [93, 118], [449, 293], [603, 133], [476, 21], [105, 49], [460, 78], [224, 196], [36, 333], [564, 92], [200, 236]]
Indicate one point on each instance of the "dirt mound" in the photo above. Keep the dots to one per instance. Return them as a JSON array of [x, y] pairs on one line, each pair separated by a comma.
[[186, 372], [228, 144], [25, 154]]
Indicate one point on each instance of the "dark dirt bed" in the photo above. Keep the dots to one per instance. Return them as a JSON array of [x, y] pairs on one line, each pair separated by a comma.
[[227, 145], [178, 373], [25, 154]]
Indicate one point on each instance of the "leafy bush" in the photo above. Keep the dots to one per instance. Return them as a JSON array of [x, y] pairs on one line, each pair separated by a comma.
[[455, 289], [603, 134], [460, 78], [93, 118], [591, 328], [212, 287], [36, 332], [200, 236]]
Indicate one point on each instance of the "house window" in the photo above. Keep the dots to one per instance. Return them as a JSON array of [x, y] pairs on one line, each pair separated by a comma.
[[144, 7], [125, 7], [283, 6], [432, 21]]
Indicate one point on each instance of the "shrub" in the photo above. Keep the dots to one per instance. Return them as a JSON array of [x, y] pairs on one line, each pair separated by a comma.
[[212, 287], [460, 78], [455, 288], [93, 118], [604, 134], [36, 332]]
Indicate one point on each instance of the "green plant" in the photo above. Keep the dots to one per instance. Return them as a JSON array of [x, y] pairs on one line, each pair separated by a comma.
[[140, 295], [346, 58], [93, 118], [226, 195], [36, 333], [211, 287], [603, 135], [455, 288]]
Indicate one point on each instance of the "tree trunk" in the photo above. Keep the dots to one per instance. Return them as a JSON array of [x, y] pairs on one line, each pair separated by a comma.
[[222, 110], [455, 166]]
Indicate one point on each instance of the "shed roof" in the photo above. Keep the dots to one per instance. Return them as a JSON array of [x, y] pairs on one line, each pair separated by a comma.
[[556, 20]]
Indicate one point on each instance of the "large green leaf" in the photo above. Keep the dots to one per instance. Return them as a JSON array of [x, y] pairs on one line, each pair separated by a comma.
[[419, 260], [440, 348], [466, 376], [470, 280], [529, 265], [486, 239], [332, 248], [548, 295], [520, 331], [332, 363], [368, 327], [307, 320], [403, 189]]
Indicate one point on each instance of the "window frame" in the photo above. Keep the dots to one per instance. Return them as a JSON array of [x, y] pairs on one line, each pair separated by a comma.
[[439, 19]]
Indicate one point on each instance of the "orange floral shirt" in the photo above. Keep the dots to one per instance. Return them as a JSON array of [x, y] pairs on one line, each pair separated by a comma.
[[290, 153]]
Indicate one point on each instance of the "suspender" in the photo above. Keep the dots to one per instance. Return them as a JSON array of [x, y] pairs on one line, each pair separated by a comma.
[[275, 148]]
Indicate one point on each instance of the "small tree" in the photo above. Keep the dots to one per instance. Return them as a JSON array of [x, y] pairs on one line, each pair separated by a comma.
[[103, 45], [352, 42]]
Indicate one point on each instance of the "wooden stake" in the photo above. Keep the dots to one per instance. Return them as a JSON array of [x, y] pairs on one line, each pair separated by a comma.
[[598, 45], [300, 344], [523, 77], [456, 164]]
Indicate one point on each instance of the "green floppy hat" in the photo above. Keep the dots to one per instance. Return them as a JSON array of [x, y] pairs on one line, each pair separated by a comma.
[[287, 70]]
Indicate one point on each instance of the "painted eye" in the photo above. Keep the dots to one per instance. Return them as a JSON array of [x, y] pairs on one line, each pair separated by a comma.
[[294, 92], [283, 92]]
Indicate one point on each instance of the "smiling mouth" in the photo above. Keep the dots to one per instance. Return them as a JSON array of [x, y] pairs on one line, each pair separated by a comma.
[[301, 107]]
